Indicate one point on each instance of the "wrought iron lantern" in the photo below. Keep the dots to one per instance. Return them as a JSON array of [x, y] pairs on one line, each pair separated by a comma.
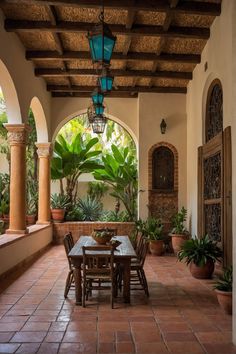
[[163, 126], [97, 96], [106, 80], [99, 124], [101, 42]]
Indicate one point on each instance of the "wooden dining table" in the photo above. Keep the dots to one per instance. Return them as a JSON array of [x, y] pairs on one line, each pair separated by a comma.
[[122, 255]]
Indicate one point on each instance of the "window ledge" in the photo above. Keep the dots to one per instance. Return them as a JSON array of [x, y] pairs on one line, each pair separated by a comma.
[[7, 239]]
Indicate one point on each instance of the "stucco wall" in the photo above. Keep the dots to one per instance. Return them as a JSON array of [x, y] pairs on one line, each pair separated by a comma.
[[152, 108], [220, 54]]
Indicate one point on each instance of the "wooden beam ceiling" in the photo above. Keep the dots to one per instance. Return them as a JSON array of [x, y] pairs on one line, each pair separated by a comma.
[[188, 7], [116, 72], [89, 89], [84, 27], [77, 55]]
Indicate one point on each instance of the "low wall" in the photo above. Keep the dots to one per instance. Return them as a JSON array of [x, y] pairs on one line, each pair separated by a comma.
[[17, 250], [79, 228]]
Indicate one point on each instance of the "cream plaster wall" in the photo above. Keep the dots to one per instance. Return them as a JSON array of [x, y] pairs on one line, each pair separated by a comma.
[[220, 54], [27, 86], [152, 108], [16, 252], [121, 111]]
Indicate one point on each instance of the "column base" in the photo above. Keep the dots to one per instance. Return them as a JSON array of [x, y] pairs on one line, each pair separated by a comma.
[[43, 222], [17, 232]]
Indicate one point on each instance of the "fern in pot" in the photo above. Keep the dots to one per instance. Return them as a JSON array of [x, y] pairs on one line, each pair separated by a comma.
[[223, 288], [200, 254], [179, 234], [152, 230]]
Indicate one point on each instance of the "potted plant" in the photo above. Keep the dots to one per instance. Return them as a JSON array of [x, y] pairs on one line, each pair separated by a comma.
[[152, 230], [31, 212], [179, 234], [223, 289], [59, 203], [201, 254]]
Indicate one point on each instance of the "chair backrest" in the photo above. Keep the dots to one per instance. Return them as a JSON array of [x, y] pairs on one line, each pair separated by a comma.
[[68, 242], [98, 260], [143, 252], [140, 245]]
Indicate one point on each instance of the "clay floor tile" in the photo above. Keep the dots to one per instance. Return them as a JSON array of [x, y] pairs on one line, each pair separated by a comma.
[[5, 336], [219, 348], [28, 348], [185, 347], [212, 337], [8, 348], [80, 337], [122, 336], [125, 347], [48, 348], [11, 327], [106, 348], [83, 326], [151, 348], [106, 337], [54, 337], [36, 326], [113, 326], [174, 327], [28, 337], [146, 336], [76, 348]]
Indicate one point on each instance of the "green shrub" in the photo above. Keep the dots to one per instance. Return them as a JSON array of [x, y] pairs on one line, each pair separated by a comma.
[[91, 209], [59, 201], [225, 282]]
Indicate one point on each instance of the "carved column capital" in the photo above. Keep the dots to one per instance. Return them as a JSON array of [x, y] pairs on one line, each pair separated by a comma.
[[44, 149], [17, 133]]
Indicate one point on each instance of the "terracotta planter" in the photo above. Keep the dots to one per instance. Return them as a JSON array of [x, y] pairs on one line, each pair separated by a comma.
[[225, 300], [204, 272], [58, 215], [177, 241], [30, 219], [156, 247]]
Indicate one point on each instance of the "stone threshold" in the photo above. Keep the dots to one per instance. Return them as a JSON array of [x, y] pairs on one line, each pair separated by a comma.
[[7, 239]]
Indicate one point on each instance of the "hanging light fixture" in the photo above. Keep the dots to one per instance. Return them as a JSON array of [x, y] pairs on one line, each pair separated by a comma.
[[101, 41], [99, 109], [97, 96], [99, 124], [106, 80]]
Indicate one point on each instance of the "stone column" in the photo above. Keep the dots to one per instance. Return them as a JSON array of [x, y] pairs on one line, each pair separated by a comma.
[[17, 137], [44, 154]]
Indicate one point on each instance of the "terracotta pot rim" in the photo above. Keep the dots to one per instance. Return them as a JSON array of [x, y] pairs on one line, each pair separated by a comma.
[[179, 235], [155, 241], [58, 209], [222, 292]]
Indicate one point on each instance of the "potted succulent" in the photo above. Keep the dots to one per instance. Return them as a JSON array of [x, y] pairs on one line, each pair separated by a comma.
[[31, 212], [103, 236], [152, 230], [201, 254], [59, 203], [179, 234], [223, 289]]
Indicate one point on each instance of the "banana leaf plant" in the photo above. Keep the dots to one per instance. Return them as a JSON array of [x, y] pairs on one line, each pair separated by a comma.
[[120, 172], [70, 160]]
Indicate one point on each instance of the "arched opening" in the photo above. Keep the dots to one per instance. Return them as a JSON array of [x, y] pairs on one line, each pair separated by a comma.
[[10, 95], [40, 120], [114, 150], [214, 110], [163, 169], [163, 182]]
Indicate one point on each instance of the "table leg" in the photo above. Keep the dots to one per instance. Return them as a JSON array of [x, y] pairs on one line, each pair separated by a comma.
[[78, 288], [126, 280]]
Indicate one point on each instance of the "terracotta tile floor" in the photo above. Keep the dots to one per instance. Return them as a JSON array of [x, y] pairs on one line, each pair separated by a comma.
[[181, 315]]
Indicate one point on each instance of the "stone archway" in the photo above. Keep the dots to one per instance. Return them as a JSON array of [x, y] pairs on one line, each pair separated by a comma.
[[163, 202]]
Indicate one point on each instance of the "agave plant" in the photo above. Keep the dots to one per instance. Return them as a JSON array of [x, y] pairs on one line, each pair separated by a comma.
[[91, 209], [59, 201]]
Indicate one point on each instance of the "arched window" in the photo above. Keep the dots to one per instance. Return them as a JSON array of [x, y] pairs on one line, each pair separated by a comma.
[[163, 169], [214, 110]]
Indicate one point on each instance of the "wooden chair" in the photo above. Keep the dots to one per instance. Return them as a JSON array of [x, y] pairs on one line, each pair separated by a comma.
[[68, 242], [98, 271], [137, 274]]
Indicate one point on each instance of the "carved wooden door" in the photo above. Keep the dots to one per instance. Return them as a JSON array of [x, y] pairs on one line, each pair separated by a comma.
[[214, 192]]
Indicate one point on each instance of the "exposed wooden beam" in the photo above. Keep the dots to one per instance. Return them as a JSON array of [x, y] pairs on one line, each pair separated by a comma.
[[188, 7], [112, 94], [74, 55], [129, 23], [163, 89], [81, 27], [45, 72]]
